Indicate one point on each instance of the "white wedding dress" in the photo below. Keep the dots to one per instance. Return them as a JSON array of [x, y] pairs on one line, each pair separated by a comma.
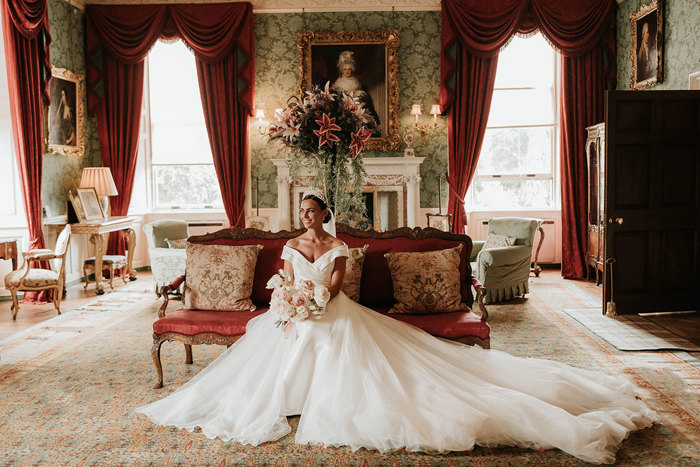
[[362, 379]]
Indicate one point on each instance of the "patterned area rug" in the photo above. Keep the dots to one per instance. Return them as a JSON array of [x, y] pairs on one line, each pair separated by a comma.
[[72, 404], [630, 332]]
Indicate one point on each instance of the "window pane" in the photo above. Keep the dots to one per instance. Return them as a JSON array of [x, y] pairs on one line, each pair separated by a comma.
[[178, 132], [512, 194], [186, 185], [521, 107], [508, 151], [526, 62]]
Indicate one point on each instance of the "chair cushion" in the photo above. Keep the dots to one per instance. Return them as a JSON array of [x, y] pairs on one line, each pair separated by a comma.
[[498, 241], [176, 243], [35, 278], [353, 272], [426, 282], [108, 259], [193, 322], [448, 325], [220, 277]]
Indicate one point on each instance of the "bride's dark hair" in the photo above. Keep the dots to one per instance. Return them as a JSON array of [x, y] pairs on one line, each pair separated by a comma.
[[322, 204]]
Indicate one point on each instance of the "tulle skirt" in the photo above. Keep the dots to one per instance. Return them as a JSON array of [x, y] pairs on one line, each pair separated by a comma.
[[364, 380]]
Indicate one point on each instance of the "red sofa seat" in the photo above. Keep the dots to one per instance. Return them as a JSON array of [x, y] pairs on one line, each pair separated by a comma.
[[192, 322], [456, 325]]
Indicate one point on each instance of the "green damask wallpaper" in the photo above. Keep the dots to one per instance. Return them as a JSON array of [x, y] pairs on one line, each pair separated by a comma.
[[681, 41], [277, 78], [62, 173]]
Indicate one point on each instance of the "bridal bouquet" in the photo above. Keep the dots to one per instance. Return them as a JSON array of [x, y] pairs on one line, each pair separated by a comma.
[[295, 303]]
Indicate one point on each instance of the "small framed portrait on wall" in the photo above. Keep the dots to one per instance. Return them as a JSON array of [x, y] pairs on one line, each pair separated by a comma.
[[65, 115], [440, 221], [361, 63], [646, 51]]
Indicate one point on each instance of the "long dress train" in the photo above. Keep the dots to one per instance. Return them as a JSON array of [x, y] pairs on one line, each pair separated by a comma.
[[362, 379]]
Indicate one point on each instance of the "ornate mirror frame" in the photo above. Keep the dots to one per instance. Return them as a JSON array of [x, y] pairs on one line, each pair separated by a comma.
[[320, 50]]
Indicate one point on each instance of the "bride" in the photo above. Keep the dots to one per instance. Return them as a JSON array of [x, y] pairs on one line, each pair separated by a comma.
[[365, 380]]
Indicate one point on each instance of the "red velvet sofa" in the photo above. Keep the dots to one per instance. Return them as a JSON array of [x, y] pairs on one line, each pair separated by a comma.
[[376, 289]]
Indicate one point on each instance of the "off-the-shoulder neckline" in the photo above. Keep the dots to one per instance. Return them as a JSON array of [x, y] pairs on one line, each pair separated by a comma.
[[317, 259]]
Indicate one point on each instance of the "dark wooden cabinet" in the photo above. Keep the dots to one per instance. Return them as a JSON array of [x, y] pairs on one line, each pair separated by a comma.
[[595, 156]]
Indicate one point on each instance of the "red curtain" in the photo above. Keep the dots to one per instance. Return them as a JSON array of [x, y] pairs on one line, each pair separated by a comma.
[[27, 39], [583, 32], [118, 40]]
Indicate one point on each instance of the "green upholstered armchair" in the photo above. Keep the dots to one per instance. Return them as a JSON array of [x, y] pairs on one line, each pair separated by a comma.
[[167, 264], [504, 271]]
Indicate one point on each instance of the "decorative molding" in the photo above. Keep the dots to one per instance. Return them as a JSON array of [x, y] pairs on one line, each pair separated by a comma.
[[294, 6]]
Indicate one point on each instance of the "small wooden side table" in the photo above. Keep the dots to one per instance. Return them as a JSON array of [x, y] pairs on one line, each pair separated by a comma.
[[97, 230], [8, 250]]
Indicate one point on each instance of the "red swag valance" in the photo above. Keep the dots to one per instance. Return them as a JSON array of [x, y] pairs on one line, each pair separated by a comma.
[[483, 28], [212, 31]]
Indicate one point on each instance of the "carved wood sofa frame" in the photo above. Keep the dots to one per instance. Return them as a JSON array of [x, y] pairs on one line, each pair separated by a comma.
[[241, 234]]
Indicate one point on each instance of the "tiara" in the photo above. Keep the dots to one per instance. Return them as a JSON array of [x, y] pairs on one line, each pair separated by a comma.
[[315, 192]]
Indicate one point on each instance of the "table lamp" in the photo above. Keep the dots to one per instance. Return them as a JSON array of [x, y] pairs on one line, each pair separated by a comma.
[[101, 179]]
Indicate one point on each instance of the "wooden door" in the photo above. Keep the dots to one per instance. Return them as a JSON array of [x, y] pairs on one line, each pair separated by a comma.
[[652, 198]]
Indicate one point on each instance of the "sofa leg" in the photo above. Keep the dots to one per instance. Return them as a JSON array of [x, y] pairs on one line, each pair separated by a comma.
[[155, 352], [188, 354]]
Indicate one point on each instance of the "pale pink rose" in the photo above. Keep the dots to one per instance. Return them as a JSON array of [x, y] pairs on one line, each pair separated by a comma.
[[322, 295], [306, 287], [299, 299], [279, 294]]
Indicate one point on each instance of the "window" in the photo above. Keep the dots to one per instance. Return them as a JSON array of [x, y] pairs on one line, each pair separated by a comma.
[[518, 159], [175, 167], [11, 205]]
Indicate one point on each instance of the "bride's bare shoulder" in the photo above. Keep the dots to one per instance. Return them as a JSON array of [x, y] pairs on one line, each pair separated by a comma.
[[337, 242], [292, 242]]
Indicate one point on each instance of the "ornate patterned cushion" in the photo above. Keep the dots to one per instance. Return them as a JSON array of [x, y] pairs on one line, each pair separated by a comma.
[[498, 241], [220, 277], [426, 282], [35, 278], [353, 273], [178, 243]]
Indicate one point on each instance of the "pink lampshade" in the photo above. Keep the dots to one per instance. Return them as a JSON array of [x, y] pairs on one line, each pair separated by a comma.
[[415, 110], [435, 109], [101, 179]]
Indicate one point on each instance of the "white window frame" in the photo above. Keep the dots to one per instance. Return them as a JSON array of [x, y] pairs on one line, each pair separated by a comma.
[[554, 176], [145, 154]]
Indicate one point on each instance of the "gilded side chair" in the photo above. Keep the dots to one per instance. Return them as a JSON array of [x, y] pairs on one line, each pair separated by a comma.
[[27, 278]]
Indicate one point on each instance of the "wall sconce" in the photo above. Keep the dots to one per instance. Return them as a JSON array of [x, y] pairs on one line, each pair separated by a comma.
[[260, 115], [422, 127]]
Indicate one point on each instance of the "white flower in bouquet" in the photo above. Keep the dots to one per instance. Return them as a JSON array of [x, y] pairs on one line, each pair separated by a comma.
[[322, 295], [306, 287]]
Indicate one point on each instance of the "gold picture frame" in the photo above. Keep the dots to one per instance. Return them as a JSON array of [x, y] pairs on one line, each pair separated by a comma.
[[77, 206], [646, 51], [319, 62], [64, 120], [91, 203], [440, 221]]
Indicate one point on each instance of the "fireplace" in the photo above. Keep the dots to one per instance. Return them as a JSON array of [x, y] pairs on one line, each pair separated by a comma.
[[391, 192]]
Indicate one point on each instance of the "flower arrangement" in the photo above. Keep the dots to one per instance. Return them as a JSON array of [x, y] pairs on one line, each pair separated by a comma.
[[326, 132], [294, 303]]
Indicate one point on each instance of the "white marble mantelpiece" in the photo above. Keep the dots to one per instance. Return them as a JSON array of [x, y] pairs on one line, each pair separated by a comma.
[[400, 174]]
